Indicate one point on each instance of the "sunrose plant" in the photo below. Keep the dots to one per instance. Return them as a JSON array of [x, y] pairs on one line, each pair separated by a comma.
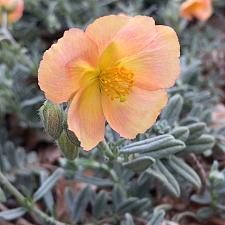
[[117, 70], [13, 8], [199, 9]]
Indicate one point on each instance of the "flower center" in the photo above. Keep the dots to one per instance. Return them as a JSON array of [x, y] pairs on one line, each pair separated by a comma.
[[116, 82]]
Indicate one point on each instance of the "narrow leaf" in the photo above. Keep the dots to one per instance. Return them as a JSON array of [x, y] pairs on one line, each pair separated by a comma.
[[12, 214], [203, 143], [48, 184], [196, 130], [100, 205], [157, 218], [139, 164], [172, 112], [185, 171], [180, 133]]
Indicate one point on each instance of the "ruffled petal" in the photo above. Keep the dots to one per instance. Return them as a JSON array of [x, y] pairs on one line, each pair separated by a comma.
[[137, 114], [85, 117], [103, 30], [157, 66], [129, 40], [64, 64]]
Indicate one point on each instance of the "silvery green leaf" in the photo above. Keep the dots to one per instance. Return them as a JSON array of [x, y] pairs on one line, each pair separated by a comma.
[[180, 133], [143, 205], [10, 151], [128, 205], [5, 164], [206, 116], [196, 130], [173, 109], [94, 181], [12, 214], [139, 164], [196, 110], [203, 199], [2, 196], [69, 198], [170, 178], [161, 173], [148, 141], [168, 143], [48, 197], [100, 205], [217, 178], [31, 102], [203, 143], [128, 220], [189, 71], [172, 148], [48, 184], [20, 156], [157, 218], [184, 170], [118, 196], [188, 120], [205, 213], [81, 203]]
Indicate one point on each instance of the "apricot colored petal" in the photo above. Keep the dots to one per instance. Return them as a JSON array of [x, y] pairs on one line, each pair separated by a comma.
[[17, 13], [137, 114], [85, 117], [201, 9], [129, 40], [73, 50], [103, 30], [158, 65], [205, 12]]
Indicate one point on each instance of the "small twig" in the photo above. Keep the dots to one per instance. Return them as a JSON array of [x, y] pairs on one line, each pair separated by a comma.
[[8, 36], [201, 171], [5, 30], [140, 220], [24, 202]]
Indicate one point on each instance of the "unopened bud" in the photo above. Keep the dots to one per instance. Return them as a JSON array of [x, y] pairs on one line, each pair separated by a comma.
[[68, 148], [73, 138], [52, 118]]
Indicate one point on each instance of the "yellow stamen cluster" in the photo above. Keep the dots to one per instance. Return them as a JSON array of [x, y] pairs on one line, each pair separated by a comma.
[[116, 82]]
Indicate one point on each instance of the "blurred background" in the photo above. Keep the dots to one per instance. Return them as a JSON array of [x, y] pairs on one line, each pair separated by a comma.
[[95, 190]]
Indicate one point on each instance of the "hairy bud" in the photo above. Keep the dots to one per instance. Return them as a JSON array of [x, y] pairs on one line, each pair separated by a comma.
[[68, 148], [52, 118]]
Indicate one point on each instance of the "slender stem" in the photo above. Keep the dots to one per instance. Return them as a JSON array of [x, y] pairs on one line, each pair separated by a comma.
[[24, 202], [5, 30], [104, 147], [7, 35], [4, 182]]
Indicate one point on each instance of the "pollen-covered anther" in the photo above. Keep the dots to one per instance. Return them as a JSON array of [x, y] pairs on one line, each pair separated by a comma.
[[116, 82]]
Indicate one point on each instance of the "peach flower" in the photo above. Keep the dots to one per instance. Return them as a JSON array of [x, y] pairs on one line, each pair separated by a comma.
[[14, 9], [116, 71], [199, 9]]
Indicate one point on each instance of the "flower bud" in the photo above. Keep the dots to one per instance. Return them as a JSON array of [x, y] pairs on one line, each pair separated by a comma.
[[69, 149], [72, 137], [52, 118]]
